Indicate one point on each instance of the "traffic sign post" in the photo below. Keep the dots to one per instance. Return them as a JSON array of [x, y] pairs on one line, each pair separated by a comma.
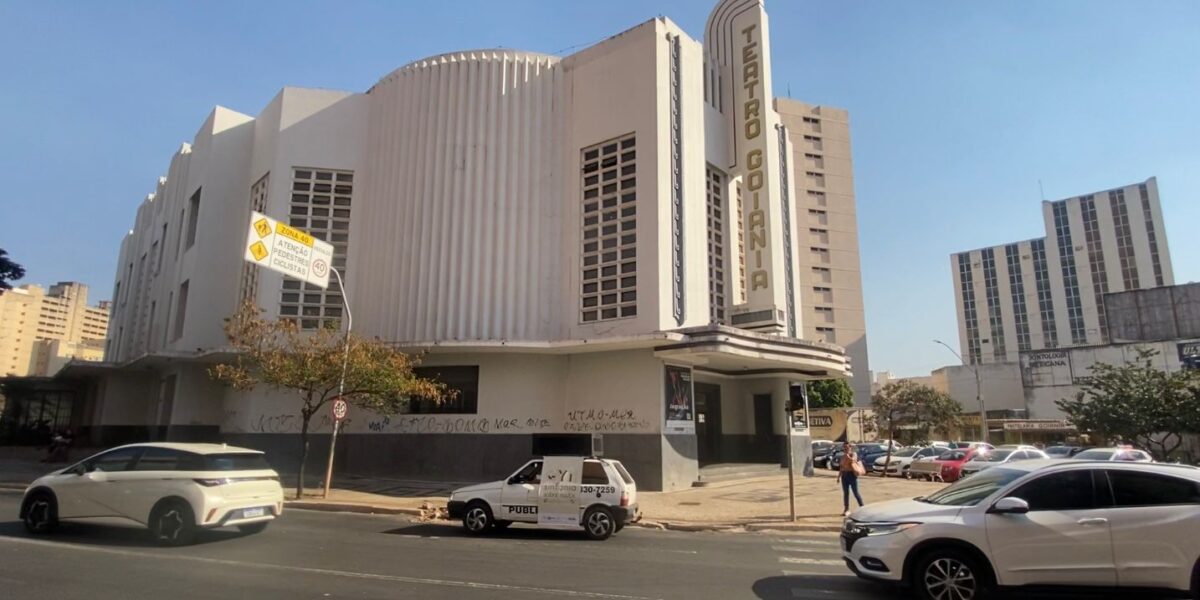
[[295, 253]]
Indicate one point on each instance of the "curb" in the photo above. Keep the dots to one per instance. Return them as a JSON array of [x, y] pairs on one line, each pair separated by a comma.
[[354, 508], [750, 526], [12, 486]]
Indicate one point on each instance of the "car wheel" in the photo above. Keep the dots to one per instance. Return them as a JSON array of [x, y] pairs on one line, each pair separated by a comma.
[[905, 473], [173, 524], [502, 524], [41, 513], [950, 575], [478, 518], [253, 528], [599, 523]]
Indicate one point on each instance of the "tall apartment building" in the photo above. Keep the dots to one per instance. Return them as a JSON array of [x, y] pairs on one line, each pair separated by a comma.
[[40, 330], [1048, 292], [831, 296]]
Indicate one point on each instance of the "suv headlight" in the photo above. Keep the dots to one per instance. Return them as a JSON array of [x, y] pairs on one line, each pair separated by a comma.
[[872, 529]]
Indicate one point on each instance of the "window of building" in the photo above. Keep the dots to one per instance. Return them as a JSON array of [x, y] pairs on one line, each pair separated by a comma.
[[181, 310], [462, 380], [1041, 275], [966, 290], [258, 202], [193, 218], [1066, 255], [715, 202], [991, 289], [1120, 217], [826, 334], [1016, 286], [161, 246], [608, 286], [1151, 236], [1095, 254], [320, 205]]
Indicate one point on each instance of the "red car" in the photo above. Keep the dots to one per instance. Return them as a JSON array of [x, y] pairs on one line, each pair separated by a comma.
[[947, 466]]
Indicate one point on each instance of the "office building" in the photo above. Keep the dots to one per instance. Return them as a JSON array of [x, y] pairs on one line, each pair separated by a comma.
[[1048, 292], [827, 252], [41, 330]]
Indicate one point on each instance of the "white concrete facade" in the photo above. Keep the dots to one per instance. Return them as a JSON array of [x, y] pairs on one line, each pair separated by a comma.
[[1048, 292], [40, 329], [543, 222]]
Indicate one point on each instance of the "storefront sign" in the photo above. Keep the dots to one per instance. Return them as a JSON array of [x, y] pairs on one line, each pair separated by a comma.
[[1189, 355], [558, 494], [1046, 367], [821, 421], [1057, 425], [680, 401]]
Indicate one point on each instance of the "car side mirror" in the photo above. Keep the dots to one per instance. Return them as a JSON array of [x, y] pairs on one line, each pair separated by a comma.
[[1010, 506]]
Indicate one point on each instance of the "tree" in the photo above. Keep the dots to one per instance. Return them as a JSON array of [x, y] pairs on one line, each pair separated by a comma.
[[277, 354], [1138, 402], [9, 271], [830, 393], [913, 410]]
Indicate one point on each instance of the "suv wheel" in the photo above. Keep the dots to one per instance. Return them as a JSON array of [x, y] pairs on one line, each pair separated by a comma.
[[599, 523], [950, 575], [478, 518], [173, 524], [41, 513]]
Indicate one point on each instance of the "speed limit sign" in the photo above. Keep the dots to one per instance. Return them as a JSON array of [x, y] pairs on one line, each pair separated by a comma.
[[339, 409]]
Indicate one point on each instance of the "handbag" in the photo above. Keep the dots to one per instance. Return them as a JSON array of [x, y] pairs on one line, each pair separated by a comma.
[[859, 469]]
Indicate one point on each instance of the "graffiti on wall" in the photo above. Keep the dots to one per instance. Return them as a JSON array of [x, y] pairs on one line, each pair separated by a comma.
[[591, 420], [440, 424]]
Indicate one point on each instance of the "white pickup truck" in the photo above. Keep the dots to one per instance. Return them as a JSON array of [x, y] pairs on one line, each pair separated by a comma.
[[597, 494]]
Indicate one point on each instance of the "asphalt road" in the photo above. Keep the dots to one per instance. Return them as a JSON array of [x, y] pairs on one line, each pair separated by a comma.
[[338, 555]]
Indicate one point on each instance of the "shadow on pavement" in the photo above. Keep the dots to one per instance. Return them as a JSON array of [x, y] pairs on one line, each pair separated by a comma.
[[452, 529], [113, 536], [805, 587]]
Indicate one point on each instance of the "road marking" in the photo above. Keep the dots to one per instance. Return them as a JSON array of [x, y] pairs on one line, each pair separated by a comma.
[[795, 560], [805, 550], [332, 572], [808, 541]]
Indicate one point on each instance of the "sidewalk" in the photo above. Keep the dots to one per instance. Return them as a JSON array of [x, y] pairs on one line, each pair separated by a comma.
[[759, 504]]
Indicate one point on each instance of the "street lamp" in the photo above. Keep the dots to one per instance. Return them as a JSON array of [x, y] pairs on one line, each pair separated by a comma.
[[983, 427]]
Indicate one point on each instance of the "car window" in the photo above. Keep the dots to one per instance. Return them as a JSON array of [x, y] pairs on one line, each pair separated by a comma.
[[239, 461], [1065, 490], [973, 490], [625, 476], [1134, 488], [159, 459], [1094, 455], [113, 461], [996, 456], [953, 455], [593, 473], [532, 473]]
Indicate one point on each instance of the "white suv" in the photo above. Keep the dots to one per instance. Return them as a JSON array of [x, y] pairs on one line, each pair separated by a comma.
[[604, 501], [173, 489], [1061, 523]]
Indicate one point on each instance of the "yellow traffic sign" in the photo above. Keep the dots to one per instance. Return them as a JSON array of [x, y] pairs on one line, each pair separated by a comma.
[[263, 227], [258, 250]]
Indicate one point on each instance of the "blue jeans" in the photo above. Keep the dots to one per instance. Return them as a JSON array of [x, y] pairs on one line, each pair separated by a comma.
[[850, 483]]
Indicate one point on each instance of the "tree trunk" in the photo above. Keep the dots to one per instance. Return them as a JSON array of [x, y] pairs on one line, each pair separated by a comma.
[[887, 462], [305, 416]]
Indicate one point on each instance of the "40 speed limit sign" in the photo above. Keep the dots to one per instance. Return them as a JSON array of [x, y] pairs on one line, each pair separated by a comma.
[[340, 408]]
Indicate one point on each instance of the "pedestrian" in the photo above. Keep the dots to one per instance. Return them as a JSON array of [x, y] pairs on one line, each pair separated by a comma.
[[848, 473]]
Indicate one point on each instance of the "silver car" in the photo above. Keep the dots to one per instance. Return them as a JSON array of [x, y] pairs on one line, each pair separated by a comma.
[[999, 456]]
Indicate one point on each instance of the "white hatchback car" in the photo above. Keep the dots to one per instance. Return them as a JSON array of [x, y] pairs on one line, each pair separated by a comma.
[[1001, 455], [607, 499], [902, 460], [174, 489], [1037, 523]]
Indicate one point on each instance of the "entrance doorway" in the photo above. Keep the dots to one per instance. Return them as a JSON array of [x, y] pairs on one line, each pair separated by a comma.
[[708, 423]]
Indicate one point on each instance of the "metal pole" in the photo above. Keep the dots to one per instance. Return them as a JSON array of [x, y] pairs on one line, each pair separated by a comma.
[[983, 427], [341, 381], [790, 459]]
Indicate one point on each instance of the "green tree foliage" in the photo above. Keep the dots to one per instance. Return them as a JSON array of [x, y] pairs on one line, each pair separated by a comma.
[[911, 411], [830, 393], [9, 271], [1138, 402], [277, 354]]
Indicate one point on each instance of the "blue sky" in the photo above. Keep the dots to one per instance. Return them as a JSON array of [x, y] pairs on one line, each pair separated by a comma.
[[958, 110]]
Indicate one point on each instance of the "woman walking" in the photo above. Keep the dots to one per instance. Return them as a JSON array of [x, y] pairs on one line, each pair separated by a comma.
[[848, 472]]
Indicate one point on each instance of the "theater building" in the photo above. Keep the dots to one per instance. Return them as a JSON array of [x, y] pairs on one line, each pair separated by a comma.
[[601, 244]]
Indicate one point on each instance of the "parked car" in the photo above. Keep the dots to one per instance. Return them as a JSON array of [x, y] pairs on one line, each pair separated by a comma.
[[964, 445], [173, 489], [867, 453], [607, 499], [1063, 451], [1037, 523], [947, 466], [1115, 454], [821, 450], [902, 460], [1001, 455]]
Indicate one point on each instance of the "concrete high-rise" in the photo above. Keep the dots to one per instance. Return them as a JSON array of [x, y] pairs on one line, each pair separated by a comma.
[[1048, 292], [41, 330], [831, 294]]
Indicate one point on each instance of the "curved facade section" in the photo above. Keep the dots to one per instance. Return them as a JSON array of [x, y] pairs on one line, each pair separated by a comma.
[[462, 226]]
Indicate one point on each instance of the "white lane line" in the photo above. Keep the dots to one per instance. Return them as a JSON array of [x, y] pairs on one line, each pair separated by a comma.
[[330, 572], [804, 550], [796, 560], [808, 542]]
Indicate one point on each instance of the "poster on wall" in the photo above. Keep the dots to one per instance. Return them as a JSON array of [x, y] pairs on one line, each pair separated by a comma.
[[558, 496], [680, 401], [1189, 355]]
